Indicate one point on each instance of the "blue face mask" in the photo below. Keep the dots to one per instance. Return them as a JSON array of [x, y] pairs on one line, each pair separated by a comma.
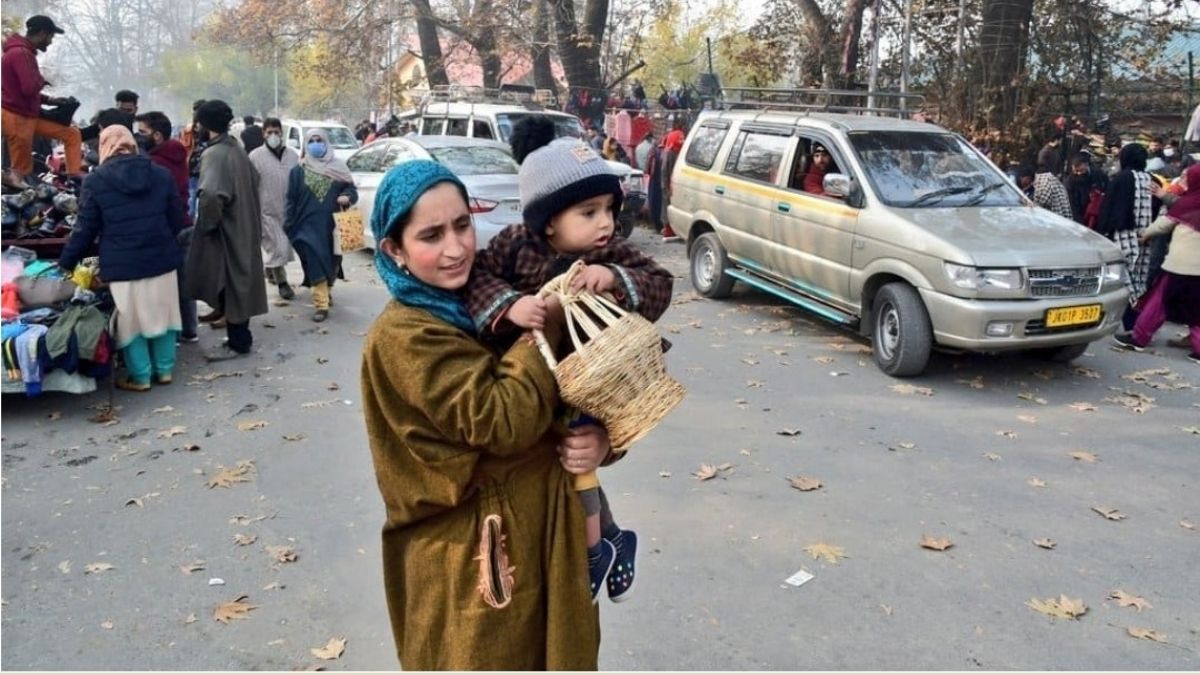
[[316, 149]]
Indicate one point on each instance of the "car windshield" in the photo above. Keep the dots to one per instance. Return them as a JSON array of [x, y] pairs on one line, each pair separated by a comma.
[[340, 137], [564, 125], [914, 169], [475, 161]]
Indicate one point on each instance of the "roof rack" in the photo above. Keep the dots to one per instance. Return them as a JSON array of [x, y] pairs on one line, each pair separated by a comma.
[[822, 100], [507, 94]]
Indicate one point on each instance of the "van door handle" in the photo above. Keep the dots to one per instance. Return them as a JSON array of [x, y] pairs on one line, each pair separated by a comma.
[[720, 189], [784, 207]]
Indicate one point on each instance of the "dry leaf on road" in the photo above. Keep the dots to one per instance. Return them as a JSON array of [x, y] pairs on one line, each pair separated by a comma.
[[1129, 600], [908, 389], [1007, 434], [1111, 514], [1045, 542], [282, 554], [805, 483], [1036, 482], [705, 472], [1146, 634], [1062, 608], [164, 409], [992, 457], [196, 566], [1187, 525], [1191, 430], [1028, 419], [1029, 396], [54, 415], [788, 432], [173, 431], [939, 544], [107, 625], [755, 384], [829, 552], [251, 425], [1083, 406], [65, 567], [237, 608], [664, 474], [191, 618], [226, 477], [332, 649], [974, 383], [1086, 372], [98, 567], [294, 437], [1084, 456], [824, 360]]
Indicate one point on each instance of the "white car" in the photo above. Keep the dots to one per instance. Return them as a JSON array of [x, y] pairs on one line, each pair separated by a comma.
[[340, 137], [485, 167]]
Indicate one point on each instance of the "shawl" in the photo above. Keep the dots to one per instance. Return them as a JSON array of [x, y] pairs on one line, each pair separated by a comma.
[[1187, 209], [116, 140], [329, 166], [399, 190]]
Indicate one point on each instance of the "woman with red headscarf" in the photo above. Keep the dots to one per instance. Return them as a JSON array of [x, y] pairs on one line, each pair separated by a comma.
[[1176, 294]]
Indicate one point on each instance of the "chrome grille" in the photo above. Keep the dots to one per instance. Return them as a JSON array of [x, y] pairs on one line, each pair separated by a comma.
[[1065, 282]]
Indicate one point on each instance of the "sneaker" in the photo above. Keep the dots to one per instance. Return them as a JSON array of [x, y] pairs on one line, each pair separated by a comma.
[[189, 339], [163, 380], [223, 353], [286, 292], [127, 384], [320, 315], [1125, 341], [600, 567], [620, 579], [1194, 357]]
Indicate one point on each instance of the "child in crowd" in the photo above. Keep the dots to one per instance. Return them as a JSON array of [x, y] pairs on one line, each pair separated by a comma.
[[570, 199]]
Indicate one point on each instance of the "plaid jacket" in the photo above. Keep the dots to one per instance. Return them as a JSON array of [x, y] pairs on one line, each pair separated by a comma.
[[517, 263]]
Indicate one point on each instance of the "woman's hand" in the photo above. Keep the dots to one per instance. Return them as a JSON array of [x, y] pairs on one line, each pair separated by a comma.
[[583, 449], [343, 201]]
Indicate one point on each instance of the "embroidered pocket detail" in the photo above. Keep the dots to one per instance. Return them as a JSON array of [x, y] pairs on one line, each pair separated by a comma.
[[495, 574]]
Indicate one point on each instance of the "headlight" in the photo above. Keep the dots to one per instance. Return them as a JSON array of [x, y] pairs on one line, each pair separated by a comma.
[[982, 278], [1115, 274]]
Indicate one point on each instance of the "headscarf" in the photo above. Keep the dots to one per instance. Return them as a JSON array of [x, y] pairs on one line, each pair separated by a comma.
[[1187, 209], [399, 190], [329, 166], [116, 140]]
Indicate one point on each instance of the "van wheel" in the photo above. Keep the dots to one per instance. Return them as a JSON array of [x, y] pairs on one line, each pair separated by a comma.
[[902, 337], [709, 263], [1065, 354]]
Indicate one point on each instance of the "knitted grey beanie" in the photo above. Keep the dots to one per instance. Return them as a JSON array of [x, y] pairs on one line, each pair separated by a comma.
[[559, 175]]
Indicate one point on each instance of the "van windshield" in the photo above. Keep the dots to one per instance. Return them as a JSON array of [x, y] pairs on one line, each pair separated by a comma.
[[914, 169], [564, 125]]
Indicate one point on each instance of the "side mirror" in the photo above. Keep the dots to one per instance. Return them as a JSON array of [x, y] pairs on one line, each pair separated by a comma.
[[837, 185]]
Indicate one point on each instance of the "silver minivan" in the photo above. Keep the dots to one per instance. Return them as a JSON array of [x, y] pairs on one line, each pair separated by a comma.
[[897, 228]]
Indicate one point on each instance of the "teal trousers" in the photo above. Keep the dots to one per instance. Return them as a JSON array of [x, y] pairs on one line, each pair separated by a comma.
[[146, 357]]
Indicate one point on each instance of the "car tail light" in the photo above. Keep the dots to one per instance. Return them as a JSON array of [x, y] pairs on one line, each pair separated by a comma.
[[483, 205]]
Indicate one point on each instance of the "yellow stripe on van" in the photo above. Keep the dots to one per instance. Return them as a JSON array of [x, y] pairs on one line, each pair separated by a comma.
[[813, 202]]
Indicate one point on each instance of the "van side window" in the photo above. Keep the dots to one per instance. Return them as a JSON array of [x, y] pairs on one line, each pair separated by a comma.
[[432, 126], [705, 145], [814, 159], [481, 129], [456, 126], [759, 156]]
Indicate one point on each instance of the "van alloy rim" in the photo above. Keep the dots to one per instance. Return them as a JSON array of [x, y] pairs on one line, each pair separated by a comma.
[[887, 331], [706, 266]]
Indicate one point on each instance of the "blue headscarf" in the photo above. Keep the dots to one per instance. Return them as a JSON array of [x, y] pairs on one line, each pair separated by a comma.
[[399, 190]]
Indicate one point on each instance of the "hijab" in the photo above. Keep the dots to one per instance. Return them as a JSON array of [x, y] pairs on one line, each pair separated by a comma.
[[329, 166], [398, 192], [1187, 209], [116, 140]]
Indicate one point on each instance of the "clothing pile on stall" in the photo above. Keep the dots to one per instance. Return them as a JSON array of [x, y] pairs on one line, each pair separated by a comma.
[[55, 333]]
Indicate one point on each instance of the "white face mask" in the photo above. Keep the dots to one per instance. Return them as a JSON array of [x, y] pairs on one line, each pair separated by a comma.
[[274, 141]]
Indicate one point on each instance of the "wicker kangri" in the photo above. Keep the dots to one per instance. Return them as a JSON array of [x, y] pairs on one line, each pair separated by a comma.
[[616, 373]]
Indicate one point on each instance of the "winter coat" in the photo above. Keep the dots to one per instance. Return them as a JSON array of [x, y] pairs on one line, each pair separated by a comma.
[[132, 206], [309, 226], [252, 138], [172, 156], [20, 78], [224, 265], [273, 173], [464, 450], [1184, 255]]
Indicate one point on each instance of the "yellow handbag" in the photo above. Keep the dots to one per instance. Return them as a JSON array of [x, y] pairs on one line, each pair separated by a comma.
[[349, 224]]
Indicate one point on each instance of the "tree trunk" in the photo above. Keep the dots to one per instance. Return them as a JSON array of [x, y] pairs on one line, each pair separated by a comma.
[[821, 35], [850, 40], [579, 46], [1003, 44], [431, 48], [543, 73]]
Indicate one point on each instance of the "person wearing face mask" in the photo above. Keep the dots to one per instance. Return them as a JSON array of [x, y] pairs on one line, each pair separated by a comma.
[[273, 162], [155, 127], [317, 188]]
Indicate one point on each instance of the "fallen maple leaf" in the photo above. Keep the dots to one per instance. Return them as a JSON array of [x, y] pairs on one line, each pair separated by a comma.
[[974, 383], [829, 552], [1111, 514], [907, 389], [97, 567], [107, 625], [226, 477], [1084, 456], [940, 544], [173, 431], [1045, 542], [65, 567], [237, 608], [54, 415], [1129, 600], [294, 437], [193, 567], [788, 432], [282, 554], [992, 457], [332, 649], [1187, 525], [1028, 419], [1086, 372], [1028, 396], [107, 417], [1063, 608], [1191, 430], [1036, 482], [164, 409], [251, 425], [1146, 634], [705, 472], [664, 474], [1007, 434], [246, 520], [824, 360], [191, 618], [1083, 406], [805, 483]]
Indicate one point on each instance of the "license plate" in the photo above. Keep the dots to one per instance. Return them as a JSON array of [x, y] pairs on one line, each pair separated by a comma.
[[1072, 316]]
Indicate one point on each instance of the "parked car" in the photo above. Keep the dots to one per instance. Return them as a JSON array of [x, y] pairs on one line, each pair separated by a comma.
[[919, 242], [488, 119], [340, 137], [485, 167]]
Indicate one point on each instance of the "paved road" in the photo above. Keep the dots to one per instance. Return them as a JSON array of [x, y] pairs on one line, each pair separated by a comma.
[[895, 465]]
